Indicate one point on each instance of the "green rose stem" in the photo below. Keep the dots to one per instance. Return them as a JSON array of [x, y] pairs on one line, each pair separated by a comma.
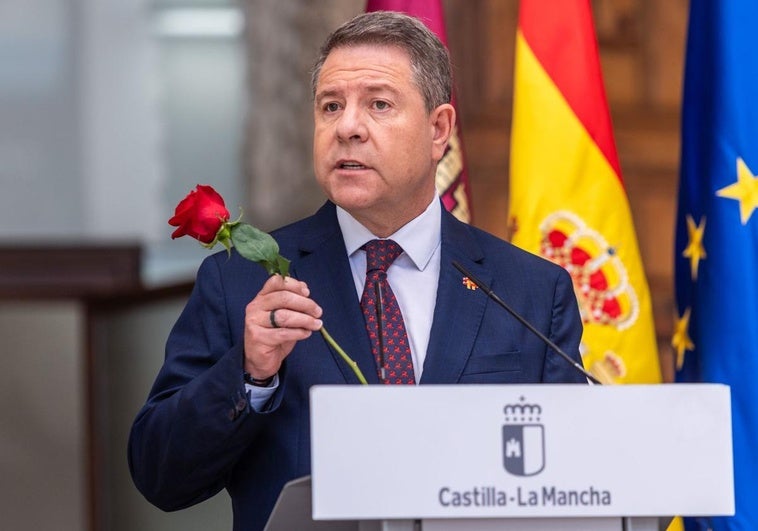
[[260, 247], [344, 355]]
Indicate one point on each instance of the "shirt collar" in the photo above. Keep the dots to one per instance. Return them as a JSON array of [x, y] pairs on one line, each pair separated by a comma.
[[419, 237]]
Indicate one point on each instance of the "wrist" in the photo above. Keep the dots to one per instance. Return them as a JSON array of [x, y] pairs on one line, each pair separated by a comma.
[[258, 382]]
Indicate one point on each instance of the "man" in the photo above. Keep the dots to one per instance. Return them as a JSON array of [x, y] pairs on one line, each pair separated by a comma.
[[230, 408]]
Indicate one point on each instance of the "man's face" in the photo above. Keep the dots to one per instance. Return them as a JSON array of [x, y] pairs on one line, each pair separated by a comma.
[[375, 146]]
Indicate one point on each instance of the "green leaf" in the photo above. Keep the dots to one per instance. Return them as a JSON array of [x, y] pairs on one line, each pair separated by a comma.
[[283, 265], [270, 267], [255, 245]]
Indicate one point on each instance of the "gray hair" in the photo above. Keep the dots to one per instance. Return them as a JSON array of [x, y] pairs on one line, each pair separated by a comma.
[[430, 62]]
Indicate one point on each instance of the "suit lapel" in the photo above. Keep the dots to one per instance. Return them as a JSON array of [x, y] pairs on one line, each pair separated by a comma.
[[458, 310], [324, 266]]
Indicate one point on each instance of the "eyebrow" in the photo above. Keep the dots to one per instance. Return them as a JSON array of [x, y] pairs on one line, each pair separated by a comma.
[[370, 87]]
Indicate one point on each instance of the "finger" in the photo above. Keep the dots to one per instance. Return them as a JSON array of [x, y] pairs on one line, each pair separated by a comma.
[[286, 318], [280, 283], [286, 300]]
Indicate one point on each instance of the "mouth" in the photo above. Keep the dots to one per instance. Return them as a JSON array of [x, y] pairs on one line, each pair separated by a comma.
[[350, 165]]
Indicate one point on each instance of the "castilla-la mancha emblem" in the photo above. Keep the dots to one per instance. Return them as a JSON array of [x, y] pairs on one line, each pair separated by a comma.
[[523, 439]]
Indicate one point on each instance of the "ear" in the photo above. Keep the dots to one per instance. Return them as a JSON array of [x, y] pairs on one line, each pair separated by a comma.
[[442, 120]]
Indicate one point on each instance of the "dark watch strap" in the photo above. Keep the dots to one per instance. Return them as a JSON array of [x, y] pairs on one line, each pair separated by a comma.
[[265, 382]]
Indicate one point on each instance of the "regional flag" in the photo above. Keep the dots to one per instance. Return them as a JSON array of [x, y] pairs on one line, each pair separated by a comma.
[[451, 179], [567, 196], [716, 254]]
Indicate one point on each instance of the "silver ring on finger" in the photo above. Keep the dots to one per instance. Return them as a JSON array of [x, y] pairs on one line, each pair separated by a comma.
[[272, 318]]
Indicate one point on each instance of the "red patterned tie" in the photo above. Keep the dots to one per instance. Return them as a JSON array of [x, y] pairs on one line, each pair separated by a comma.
[[391, 349]]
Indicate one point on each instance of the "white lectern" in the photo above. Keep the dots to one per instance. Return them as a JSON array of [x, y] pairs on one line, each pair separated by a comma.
[[486, 457]]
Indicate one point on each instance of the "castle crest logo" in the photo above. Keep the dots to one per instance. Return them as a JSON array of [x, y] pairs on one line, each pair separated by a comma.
[[523, 439]]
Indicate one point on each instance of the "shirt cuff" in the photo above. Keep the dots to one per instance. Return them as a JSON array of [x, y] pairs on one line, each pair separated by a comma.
[[259, 396]]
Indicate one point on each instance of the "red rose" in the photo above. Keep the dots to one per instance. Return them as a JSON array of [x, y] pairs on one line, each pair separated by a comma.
[[200, 215]]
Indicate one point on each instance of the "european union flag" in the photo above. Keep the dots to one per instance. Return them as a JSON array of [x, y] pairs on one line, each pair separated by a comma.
[[716, 262]]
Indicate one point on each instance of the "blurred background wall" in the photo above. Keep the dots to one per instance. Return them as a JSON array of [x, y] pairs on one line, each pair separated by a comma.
[[111, 111]]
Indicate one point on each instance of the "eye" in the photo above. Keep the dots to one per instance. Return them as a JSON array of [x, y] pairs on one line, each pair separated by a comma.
[[331, 106], [381, 105]]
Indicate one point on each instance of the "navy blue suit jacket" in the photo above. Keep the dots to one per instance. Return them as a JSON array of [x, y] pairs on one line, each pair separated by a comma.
[[197, 434]]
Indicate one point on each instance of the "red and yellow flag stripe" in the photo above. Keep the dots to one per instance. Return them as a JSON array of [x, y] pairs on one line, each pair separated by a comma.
[[567, 198]]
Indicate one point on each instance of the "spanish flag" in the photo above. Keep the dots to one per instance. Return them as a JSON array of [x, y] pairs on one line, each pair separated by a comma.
[[451, 179], [567, 197]]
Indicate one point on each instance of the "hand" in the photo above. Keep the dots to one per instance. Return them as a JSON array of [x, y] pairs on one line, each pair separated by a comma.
[[296, 317]]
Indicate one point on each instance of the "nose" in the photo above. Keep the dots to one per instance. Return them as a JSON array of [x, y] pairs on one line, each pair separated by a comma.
[[351, 125]]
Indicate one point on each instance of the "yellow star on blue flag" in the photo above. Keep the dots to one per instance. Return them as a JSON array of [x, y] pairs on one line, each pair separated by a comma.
[[681, 340], [694, 250], [745, 190]]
